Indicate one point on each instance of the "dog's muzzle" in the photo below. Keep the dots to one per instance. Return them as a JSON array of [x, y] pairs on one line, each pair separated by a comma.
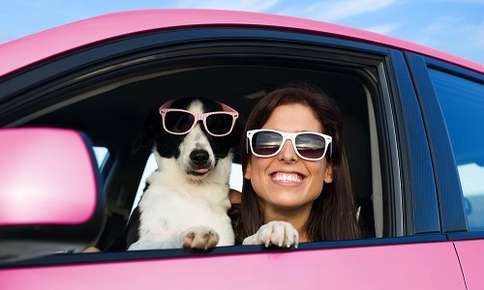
[[199, 162]]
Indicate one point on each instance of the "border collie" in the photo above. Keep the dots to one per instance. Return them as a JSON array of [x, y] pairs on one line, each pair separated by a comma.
[[186, 199]]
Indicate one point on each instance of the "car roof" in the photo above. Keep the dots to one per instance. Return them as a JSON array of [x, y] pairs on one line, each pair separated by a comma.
[[28, 50]]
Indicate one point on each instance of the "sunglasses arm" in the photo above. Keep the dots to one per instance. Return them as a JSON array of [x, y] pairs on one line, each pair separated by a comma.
[[229, 109], [166, 105]]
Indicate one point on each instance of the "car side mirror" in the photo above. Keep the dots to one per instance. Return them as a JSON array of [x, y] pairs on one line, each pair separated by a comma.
[[50, 194]]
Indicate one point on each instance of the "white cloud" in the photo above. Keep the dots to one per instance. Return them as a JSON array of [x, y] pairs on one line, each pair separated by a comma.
[[480, 36], [244, 5], [471, 177], [383, 28], [448, 29], [455, 35], [441, 24], [333, 11], [465, 1]]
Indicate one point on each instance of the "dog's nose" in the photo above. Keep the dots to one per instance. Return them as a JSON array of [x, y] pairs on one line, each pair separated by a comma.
[[199, 157]]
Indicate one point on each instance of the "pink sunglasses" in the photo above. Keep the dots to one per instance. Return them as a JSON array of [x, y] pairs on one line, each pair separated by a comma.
[[181, 122]]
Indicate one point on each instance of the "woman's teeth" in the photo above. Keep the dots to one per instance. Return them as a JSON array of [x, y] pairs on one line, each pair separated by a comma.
[[286, 177]]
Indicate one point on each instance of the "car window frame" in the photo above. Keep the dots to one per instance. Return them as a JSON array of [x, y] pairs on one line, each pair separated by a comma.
[[397, 101], [450, 193]]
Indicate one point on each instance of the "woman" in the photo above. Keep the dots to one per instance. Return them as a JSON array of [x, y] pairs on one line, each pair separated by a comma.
[[296, 186]]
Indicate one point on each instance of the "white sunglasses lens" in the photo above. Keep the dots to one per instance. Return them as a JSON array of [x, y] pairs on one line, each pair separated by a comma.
[[311, 146], [266, 143], [178, 122]]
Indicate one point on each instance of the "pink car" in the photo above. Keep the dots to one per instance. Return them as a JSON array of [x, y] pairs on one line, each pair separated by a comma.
[[413, 120]]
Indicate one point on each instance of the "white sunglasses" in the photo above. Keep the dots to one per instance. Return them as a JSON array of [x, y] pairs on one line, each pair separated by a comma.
[[311, 146]]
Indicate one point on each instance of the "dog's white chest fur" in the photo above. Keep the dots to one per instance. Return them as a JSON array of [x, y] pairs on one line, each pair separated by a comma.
[[171, 205]]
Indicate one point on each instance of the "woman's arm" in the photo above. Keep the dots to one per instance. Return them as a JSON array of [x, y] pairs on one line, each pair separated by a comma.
[[275, 233]]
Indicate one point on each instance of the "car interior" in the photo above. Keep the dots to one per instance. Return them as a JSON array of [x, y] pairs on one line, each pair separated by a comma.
[[113, 115]]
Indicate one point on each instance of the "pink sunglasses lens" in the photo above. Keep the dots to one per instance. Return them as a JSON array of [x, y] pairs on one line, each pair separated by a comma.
[[178, 122], [219, 123]]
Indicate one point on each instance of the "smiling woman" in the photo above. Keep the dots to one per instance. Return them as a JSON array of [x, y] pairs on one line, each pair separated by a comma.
[[296, 176]]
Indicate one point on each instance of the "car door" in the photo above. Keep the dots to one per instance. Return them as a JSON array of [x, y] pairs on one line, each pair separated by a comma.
[[414, 265], [412, 253]]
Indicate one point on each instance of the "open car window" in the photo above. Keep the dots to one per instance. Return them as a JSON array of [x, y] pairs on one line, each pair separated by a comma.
[[111, 107]]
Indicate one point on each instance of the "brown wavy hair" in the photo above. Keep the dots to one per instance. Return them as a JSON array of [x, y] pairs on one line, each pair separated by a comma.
[[333, 213]]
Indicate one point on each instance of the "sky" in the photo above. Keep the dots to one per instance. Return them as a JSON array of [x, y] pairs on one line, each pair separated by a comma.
[[452, 26]]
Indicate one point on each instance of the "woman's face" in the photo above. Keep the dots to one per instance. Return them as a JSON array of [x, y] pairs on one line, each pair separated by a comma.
[[286, 181]]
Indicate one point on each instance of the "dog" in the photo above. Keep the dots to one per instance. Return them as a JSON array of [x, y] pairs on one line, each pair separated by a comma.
[[185, 201]]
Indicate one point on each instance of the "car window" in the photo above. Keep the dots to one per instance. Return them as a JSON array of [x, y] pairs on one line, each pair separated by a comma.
[[462, 103], [122, 120]]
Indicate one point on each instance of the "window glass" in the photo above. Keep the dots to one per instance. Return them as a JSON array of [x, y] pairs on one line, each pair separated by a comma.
[[102, 154], [462, 103], [234, 183]]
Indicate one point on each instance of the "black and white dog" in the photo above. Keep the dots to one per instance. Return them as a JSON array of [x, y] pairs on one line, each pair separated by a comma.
[[185, 201]]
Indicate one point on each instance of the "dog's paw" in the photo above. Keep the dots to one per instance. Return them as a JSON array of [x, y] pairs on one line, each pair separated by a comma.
[[200, 237], [275, 233]]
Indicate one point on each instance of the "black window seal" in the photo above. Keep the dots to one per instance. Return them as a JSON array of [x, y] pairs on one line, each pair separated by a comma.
[[461, 236], [454, 69]]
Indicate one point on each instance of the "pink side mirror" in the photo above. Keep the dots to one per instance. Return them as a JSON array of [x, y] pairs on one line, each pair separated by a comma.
[[50, 198]]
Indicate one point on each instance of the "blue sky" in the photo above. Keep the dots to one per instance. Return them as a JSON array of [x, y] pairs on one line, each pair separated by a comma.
[[453, 26]]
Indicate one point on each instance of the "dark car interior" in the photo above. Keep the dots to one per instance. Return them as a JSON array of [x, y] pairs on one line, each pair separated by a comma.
[[113, 113]]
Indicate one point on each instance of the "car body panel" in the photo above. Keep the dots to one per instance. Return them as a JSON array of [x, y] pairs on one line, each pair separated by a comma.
[[31, 49], [471, 256], [411, 266]]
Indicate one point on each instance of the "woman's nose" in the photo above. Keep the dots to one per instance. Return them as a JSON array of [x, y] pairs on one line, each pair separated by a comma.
[[287, 153]]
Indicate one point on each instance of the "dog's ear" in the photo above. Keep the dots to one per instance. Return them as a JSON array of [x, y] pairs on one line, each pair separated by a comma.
[[151, 127]]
